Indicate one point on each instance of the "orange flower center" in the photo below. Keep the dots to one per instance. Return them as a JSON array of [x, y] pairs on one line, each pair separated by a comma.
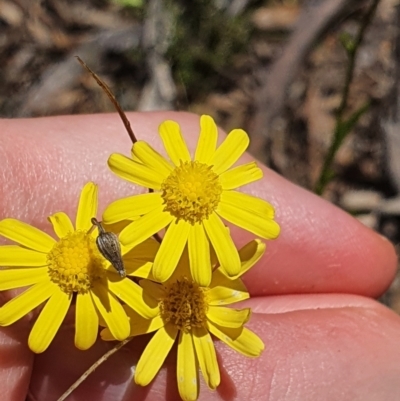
[[191, 192], [184, 305]]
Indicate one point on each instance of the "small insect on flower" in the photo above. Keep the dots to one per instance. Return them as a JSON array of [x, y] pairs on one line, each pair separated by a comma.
[[108, 245], [70, 269]]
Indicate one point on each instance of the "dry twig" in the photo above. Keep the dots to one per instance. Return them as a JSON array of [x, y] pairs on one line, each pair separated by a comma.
[[113, 99], [101, 360]]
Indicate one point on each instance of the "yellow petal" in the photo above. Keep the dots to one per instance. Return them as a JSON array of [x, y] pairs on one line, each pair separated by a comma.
[[148, 156], [207, 140], [157, 291], [228, 317], [102, 322], [154, 355], [224, 247], [145, 227], [116, 227], [213, 256], [199, 255], [135, 172], [174, 143], [132, 207], [139, 260], [134, 157], [87, 207], [248, 220], [250, 203], [140, 325], [250, 254], [138, 268], [111, 311], [15, 255], [171, 250], [22, 304], [26, 235], [132, 294], [230, 150], [145, 251], [224, 291], [106, 335], [17, 278], [186, 369], [241, 340], [86, 321], [61, 223], [206, 356], [49, 321], [240, 175]]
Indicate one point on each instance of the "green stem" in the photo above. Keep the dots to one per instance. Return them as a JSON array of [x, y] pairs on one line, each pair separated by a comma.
[[339, 135]]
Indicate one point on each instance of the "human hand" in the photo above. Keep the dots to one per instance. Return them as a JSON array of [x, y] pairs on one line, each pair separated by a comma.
[[324, 339]]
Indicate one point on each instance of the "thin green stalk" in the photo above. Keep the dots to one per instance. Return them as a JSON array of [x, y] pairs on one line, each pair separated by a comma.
[[343, 127]]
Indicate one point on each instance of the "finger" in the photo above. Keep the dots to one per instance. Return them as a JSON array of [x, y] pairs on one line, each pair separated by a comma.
[[320, 249], [335, 347], [16, 362]]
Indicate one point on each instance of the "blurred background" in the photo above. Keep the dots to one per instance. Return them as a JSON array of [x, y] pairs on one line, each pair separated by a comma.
[[291, 73]]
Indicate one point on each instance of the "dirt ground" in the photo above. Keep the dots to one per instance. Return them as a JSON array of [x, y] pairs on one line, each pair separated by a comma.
[[274, 68]]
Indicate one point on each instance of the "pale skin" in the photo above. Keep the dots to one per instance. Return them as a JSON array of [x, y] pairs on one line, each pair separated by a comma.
[[325, 336]]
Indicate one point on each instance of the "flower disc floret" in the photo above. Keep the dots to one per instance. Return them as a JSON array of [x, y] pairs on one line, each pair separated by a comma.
[[191, 192], [184, 305], [75, 263]]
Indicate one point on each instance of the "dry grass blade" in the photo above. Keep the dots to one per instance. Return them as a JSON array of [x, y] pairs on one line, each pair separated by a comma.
[[112, 351], [114, 101]]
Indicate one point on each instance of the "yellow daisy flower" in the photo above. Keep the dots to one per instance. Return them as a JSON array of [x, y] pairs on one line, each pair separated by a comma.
[[56, 270], [188, 312], [189, 197]]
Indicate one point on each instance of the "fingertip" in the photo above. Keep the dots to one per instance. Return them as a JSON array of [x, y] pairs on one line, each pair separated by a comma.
[[321, 248]]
